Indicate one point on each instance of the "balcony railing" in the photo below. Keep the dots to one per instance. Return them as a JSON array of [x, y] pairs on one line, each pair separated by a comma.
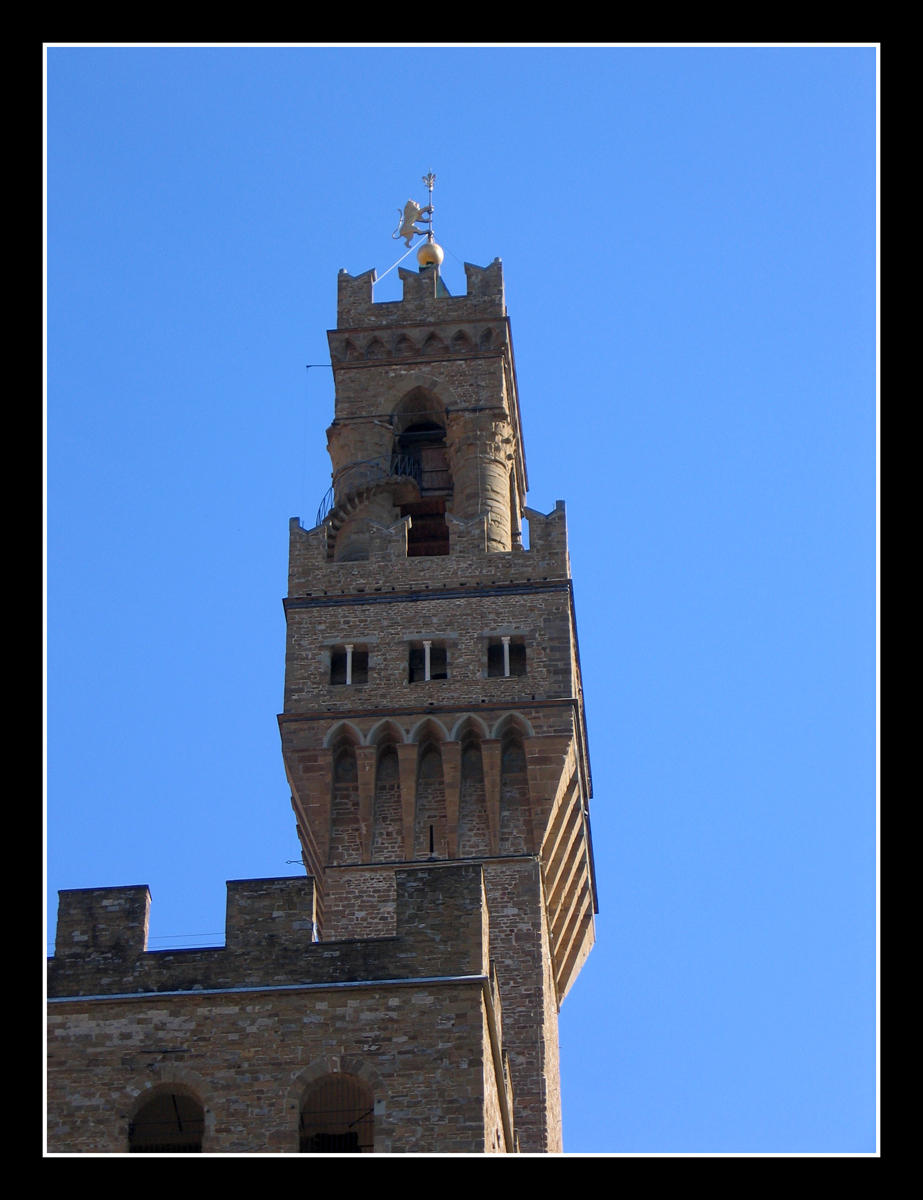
[[402, 465]]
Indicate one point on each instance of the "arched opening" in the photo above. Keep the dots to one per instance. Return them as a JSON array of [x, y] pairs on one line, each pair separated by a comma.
[[337, 1117], [387, 839], [429, 835], [473, 829], [515, 820], [344, 807], [170, 1122], [420, 451]]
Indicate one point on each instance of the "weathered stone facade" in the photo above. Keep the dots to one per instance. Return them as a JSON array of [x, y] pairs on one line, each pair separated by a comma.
[[246, 1029], [434, 740]]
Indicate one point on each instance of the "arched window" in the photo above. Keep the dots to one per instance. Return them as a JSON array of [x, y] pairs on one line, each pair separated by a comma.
[[429, 835], [473, 828], [344, 807], [387, 832], [170, 1122], [515, 823], [420, 451], [337, 1117]]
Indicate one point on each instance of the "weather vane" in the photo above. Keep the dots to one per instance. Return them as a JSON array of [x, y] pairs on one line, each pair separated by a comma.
[[412, 213]]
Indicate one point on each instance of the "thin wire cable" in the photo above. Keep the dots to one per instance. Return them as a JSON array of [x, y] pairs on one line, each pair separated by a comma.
[[379, 278]]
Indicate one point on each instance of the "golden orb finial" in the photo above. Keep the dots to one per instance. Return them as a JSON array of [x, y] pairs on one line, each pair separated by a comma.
[[430, 254]]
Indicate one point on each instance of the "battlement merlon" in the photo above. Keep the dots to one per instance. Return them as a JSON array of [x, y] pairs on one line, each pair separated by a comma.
[[548, 532], [311, 570], [357, 309], [441, 921], [270, 911], [107, 921]]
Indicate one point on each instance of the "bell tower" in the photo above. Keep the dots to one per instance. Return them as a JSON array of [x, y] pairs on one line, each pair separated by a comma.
[[433, 709]]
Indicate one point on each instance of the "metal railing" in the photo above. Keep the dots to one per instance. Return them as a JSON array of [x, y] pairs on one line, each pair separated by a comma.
[[404, 465]]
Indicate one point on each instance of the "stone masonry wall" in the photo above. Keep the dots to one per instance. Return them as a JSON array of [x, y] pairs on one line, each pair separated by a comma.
[[464, 623], [521, 957], [248, 1057], [247, 1027]]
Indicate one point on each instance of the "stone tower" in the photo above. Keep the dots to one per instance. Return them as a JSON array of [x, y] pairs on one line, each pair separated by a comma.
[[433, 701], [404, 996]]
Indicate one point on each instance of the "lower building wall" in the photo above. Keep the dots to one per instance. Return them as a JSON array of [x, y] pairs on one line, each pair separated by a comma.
[[249, 1058], [520, 952], [364, 896]]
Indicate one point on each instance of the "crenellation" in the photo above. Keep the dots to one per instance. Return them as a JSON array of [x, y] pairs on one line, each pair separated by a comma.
[[270, 940], [312, 572], [267, 912], [112, 922], [357, 308]]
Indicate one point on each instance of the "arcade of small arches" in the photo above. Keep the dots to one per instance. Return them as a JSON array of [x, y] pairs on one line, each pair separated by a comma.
[[430, 792], [389, 730], [456, 342]]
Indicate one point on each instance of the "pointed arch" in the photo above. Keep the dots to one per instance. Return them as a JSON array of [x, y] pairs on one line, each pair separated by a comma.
[[430, 824], [434, 396], [420, 405], [342, 731], [345, 842], [386, 731], [429, 729], [387, 818], [473, 825], [515, 799], [468, 724], [512, 721], [420, 451]]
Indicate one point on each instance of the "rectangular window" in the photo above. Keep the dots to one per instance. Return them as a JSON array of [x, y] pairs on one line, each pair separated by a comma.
[[505, 657], [428, 660], [349, 664]]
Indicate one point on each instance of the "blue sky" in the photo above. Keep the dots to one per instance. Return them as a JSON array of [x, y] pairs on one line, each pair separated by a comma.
[[689, 246]]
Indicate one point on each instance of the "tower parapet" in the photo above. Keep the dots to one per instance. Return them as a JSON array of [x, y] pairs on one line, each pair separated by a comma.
[[441, 929], [111, 923], [427, 418], [357, 308]]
